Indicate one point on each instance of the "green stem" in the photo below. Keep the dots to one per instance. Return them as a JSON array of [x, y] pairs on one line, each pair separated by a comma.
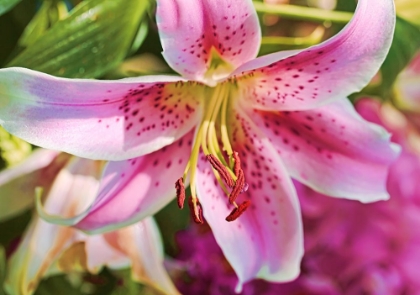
[[304, 13], [314, 38]]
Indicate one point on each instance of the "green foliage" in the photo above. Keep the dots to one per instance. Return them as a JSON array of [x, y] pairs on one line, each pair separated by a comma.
[[2, 269], [171, 220], [13, 149], [50, 12], [94, 38], [13, 228], [6, 5], [126, 286], [57, 285], [404, 46]]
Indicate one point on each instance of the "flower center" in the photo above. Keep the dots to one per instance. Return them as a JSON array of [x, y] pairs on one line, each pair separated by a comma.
[[216, 146], [218, 69]]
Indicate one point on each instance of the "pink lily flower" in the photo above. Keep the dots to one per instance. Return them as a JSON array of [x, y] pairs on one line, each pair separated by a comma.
[[286, 115], [47, 249]]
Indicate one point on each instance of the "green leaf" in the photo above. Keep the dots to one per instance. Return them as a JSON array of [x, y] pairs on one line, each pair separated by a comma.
[[50, 12], [57, 285], [95, 38], [404, 46], [171, 220], [2, 269], [126, 286], [6, 5], [14, 227]]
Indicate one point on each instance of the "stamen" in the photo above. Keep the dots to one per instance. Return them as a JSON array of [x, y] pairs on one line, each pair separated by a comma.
[[237, 189], [180, 192], [237, 168], [223, 171], [196, 210], [236, 212], [223, 128], [237, 164]]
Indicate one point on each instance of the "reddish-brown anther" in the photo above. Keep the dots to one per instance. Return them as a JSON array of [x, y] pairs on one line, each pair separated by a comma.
[[238, 211], [180, 192], [237, 164], [238, 188], [219, 167], [196, 211]]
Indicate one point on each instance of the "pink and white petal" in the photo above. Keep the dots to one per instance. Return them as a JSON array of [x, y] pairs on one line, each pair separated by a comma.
[[142, 244], [100, 253], [332, 150], [17, 184], [133, 189], [190, 30], [322, 73], [42, 243], [112, 120], [74, 188], [266, 241]]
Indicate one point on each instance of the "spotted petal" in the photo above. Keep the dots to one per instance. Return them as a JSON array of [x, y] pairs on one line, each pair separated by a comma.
[[191, 30], [332, 149], [111, 120], [266, 241], [331, 70]]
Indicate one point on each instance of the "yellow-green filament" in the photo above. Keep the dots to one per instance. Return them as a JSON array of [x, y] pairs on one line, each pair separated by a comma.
[[208, 139], [223, 131]]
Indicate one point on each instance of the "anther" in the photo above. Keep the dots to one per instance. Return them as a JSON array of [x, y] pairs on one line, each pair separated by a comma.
[[238, 188], [237, 164], [236, 212], [180, 192], [196, 210], [219, 167]]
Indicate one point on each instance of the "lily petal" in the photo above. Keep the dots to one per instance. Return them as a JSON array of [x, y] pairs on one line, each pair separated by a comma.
[[111, 120], [266, 241], [322, 73], [332, 149], [142, 243], [17, 184], [132, 190], [44, 242], [191, 30]]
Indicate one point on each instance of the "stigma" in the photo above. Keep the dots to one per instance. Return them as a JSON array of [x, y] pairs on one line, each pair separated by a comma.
[[212, 140]]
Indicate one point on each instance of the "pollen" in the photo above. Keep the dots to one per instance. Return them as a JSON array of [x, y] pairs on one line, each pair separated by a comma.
[[238, 211], [222, 170], [180, 192]]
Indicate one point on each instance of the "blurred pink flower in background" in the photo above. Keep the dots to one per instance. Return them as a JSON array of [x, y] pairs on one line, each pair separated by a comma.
[[350, 248], [46, 249]]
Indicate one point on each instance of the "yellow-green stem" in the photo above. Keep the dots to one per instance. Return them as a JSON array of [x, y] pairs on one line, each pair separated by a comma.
[[304, 13]]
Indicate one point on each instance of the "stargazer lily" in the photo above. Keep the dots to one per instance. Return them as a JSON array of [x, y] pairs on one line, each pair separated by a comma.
[[234, 127]]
